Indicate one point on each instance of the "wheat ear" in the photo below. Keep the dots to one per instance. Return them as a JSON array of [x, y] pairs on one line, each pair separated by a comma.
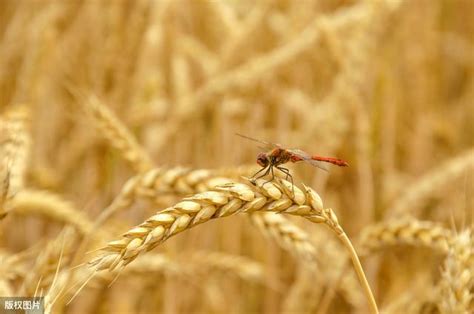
[[405, 231], [15, 143], [117, 134], [287, 235], [241, 266], [457, 278], [179, 180], [40, 277], [224, 200], [31, 202]]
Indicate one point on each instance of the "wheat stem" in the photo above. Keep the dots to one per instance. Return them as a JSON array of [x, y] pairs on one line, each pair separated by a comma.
[[360, 271]]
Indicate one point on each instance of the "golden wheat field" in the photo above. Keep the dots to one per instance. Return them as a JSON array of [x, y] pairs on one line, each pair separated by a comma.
[[124, 187]]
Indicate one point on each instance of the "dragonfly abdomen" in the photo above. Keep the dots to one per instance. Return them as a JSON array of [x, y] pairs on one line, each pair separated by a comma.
[[334, 161]]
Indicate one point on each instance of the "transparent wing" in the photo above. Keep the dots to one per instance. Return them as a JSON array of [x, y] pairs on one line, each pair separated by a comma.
[[268, 145], [304, 156]]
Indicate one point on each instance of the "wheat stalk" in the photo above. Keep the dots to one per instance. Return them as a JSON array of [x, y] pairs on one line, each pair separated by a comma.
[[220, 202]]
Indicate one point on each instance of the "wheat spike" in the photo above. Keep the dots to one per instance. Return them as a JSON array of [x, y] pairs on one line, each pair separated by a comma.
[[405, 232], [156, 182], [40, 277], [222, 201], [287, 235], [14, 153], [47, 204], [243, 267], [457, 279], [278, 228], [181, 181], [117, 134]]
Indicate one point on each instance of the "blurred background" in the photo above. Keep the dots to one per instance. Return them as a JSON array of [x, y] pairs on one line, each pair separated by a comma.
[[386, 85]]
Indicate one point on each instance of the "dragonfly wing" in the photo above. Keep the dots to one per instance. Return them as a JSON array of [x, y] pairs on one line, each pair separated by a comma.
[[305, 157], [268, 145]]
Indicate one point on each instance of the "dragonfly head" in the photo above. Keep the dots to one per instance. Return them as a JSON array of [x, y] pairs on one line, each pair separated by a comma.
[[262, 159]]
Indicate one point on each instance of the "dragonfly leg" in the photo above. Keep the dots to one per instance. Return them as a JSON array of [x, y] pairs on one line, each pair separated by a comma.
[[253, 176], [285, 171], [272, 178], [261, 176], [288, 175]]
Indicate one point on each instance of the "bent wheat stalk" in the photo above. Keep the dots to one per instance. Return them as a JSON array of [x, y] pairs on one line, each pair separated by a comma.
[[44, 203], [225, 200]]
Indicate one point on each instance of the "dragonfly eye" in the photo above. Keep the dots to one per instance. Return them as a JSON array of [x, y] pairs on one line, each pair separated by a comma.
[[262, 160]]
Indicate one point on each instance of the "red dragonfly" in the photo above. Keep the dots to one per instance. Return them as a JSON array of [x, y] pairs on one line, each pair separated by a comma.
[[276, 156]]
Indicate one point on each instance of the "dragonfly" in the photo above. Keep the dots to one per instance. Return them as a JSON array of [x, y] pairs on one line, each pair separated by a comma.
[[276, 156]]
